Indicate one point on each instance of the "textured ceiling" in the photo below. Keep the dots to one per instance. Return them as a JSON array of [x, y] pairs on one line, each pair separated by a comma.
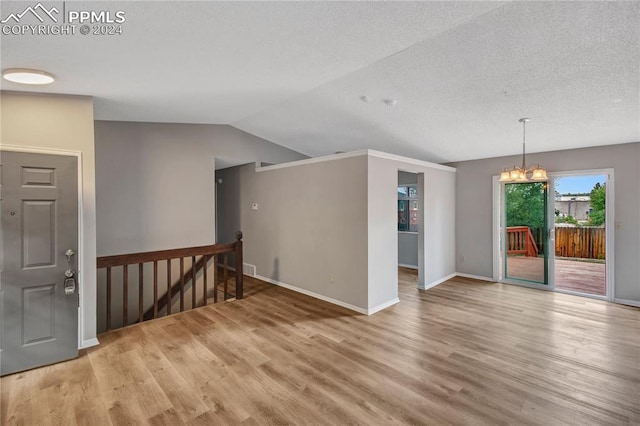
[[462, 73]]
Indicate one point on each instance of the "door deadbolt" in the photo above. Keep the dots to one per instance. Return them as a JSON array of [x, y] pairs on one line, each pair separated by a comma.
[[69, 286], [69, 253], [69, 282]]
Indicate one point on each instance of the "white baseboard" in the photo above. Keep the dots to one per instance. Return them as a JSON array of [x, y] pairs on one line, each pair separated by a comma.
[[382, 306], [89, 343], [475, 277], [404, 265], [627, 302], [315, 295], [438, 282]]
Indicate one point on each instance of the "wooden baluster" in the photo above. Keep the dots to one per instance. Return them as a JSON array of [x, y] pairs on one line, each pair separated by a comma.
[[239, 265], [169, 298], [193, 282], [140, 292], [215, 278], [225, 274], [205, 258], [155, 289], [520, 247], [181, 284], [108, 298], [197, 261], [125, 295]]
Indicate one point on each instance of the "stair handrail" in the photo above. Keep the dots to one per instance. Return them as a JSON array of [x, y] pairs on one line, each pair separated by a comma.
[[205, 253]]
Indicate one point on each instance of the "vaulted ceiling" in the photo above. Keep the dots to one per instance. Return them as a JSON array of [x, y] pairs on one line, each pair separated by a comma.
[[461, 73]]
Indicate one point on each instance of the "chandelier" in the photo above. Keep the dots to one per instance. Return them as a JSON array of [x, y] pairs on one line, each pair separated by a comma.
[[522, 174]]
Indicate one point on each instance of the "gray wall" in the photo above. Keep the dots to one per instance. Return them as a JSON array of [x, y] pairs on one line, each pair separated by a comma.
[[407, 241], [155, 190], [474, 207], [311, 222], [228, 202], [408, 249], [336, 217], [438, 250], [155, 181], [407, 178], [436, 239]]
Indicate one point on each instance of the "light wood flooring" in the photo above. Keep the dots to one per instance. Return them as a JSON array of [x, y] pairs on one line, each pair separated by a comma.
[[465, 352]]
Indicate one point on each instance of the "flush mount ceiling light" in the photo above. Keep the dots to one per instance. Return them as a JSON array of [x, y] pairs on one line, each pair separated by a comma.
[[520, 174], [27, 76]]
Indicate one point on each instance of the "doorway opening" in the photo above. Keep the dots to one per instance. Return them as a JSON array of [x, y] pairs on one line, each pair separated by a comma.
[[579, 216], [408, 220], [409, 226]]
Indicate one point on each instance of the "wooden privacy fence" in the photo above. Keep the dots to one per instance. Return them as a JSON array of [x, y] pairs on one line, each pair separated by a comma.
[[173, 279], [581, 242], [578, 242]]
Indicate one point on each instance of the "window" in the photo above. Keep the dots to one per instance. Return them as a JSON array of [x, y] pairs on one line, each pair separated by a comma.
[[408, 208]]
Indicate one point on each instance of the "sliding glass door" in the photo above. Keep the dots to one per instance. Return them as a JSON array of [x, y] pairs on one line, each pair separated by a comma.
[[524, 232], [557, 235], [578, 220]]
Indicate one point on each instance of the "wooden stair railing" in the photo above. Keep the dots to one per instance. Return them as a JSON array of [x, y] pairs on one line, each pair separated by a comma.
[[188, 280], [520, 241], [200, 257]]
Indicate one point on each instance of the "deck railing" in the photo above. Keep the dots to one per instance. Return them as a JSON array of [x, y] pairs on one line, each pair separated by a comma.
[[520, 241], [175, 282]]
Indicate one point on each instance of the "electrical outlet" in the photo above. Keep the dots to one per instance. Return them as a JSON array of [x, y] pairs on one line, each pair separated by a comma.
[[332, 278]]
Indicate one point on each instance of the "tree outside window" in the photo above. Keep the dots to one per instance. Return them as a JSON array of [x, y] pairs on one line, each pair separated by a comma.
[[598, 203]]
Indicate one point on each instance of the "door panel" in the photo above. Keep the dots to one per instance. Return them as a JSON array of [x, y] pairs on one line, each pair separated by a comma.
[[38, 233], [578, 263], [38, 176], [39, 210], [38, 315], [525, 232]]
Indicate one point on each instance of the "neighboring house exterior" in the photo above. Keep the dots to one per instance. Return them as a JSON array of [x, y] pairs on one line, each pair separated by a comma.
[[577, 206]]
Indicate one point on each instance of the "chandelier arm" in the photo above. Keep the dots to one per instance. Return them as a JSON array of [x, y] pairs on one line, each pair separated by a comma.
[[519, 174], [524, 126]]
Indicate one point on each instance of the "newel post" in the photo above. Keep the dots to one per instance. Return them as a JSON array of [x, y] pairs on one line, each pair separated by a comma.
[[239, 274]]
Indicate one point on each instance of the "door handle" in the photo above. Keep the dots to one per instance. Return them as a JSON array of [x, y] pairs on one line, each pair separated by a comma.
[[69, 282]]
